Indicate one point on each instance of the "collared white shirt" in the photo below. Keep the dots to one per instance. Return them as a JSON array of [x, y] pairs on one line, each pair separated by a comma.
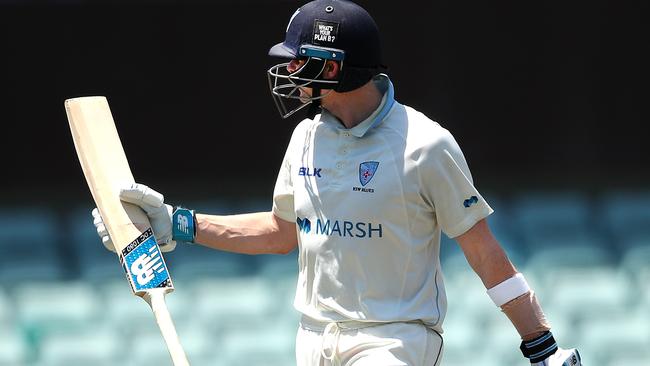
[[369, 204]]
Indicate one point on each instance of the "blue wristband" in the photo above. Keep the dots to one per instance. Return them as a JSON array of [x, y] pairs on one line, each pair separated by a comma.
[[183, 225]]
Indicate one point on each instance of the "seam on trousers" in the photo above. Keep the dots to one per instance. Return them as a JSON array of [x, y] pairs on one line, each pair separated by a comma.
[[442, 342]]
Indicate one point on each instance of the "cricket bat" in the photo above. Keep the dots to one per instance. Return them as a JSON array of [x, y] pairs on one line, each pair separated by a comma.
[[106, 168]]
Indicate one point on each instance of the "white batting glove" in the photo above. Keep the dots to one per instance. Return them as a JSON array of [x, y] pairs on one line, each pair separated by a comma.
[[152, 202], [101, 230], [159, 213], [562, 357]]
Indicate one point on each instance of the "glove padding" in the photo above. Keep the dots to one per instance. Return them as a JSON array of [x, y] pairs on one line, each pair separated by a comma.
[[152, 202], [562, 357]]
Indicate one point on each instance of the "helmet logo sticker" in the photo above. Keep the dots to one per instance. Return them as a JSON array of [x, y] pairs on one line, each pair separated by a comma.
[[325, 32]]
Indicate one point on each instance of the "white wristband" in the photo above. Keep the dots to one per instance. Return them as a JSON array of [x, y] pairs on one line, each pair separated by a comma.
[[509, 289]]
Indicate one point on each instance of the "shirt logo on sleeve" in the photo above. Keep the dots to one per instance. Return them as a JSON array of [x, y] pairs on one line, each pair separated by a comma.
[[470, 201]]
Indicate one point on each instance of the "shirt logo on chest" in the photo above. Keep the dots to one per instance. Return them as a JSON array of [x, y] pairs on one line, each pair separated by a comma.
[[367, 170], [310, 172], [339, 228]]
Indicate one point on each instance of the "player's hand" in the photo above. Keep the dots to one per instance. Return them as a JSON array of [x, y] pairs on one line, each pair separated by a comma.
[[544, 351], [101, 230], [562, 357], [152, 202], [159, 213]]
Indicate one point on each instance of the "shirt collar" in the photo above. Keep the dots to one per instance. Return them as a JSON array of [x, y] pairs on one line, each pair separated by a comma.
[[385, 86]]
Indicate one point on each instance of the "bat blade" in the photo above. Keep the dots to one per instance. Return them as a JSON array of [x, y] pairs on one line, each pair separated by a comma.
[[106, 168]]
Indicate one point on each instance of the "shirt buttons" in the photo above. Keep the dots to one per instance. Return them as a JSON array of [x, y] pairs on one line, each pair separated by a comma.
[[339, 165], [346, 134]]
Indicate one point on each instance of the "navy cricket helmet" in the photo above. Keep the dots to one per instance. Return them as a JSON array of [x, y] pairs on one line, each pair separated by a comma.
[[320, 31]]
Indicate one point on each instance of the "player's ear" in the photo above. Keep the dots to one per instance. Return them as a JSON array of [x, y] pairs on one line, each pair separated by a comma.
[[332, 69]]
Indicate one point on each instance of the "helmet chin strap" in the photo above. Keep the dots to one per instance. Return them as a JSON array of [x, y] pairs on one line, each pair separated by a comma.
[[315, 105]]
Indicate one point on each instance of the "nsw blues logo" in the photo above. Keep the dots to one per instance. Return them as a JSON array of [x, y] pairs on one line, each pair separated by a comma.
[[367, 170]]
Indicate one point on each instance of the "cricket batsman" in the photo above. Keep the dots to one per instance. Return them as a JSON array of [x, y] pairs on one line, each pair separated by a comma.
[[366, 188]]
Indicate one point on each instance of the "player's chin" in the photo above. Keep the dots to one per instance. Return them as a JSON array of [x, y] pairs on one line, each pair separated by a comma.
[[305, 95]]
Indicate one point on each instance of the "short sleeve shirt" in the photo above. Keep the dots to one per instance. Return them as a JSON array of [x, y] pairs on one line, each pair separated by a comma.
[[370, 204]]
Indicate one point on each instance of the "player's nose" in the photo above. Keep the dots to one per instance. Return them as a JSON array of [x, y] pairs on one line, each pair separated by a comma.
[[294, 65]]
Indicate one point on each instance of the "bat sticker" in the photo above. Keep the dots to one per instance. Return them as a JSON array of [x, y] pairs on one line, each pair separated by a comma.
[[144, 265]]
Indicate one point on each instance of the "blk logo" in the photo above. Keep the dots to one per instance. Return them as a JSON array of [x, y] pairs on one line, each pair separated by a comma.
[[470, 201], [309, 172]]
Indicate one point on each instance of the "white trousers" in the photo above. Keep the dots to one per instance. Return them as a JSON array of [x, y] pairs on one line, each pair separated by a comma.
[[391, 344]]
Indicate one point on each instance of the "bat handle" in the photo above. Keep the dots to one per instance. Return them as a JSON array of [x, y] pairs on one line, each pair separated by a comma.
[[156, 300]]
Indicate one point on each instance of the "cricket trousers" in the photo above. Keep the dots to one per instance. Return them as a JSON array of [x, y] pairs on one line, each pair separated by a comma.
[[374, 344]]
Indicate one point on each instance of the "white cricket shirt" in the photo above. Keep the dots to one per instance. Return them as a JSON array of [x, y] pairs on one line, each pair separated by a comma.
[[369, 205]]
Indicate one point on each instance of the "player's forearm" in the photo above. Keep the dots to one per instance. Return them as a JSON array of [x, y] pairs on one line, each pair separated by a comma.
[[496, 269], [486, 257], [254, 233], [490, 262]]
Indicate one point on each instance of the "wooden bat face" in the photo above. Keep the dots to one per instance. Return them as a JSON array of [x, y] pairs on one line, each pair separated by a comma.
[[106, 168]]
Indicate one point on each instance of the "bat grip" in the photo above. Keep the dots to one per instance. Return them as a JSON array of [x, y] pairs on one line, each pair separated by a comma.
[[156, 300]]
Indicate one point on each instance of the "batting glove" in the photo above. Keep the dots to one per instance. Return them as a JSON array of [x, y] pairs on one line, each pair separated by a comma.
[[543, 351], [168, 224], [159, 213], [563, 357], [101, 230]]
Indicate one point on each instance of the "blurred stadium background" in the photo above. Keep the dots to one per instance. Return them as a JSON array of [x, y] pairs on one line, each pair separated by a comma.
[[64, 300], [545, 99]]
